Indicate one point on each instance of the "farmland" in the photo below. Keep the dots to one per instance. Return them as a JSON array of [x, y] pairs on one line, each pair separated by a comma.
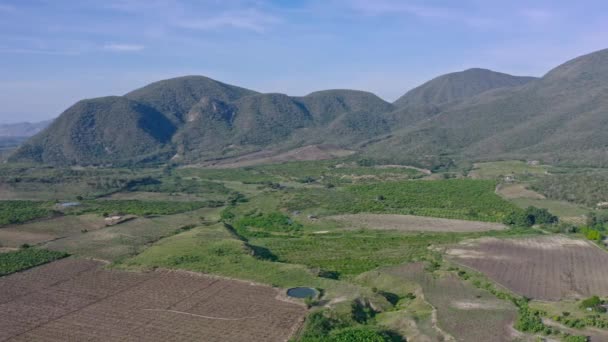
[[371, 239], [78, 300], [409, 223], [548, 268], [15, 261], [453, 199]]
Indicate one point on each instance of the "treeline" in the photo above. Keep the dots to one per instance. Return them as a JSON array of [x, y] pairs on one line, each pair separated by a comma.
[[529, 217]]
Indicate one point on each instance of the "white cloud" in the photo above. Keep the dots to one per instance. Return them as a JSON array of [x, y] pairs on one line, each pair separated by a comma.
[[123, 47], [536, 14], [251, 20]]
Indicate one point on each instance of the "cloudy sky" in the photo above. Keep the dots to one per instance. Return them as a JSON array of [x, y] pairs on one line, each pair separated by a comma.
[[55, 52]]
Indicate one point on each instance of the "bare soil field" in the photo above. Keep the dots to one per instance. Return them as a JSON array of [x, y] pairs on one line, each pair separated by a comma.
[[510, 191], [77, 300], [461, 311], [546, 268], [414, 223], [306, 153], [128, 238], [46, 230], [152, 196]]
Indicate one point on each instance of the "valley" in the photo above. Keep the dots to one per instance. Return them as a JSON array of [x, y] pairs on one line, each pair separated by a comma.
[[472, 208], [393, 252]]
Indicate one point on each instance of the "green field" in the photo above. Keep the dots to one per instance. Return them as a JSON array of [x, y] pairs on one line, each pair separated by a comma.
[[456, 199], [25, 258], [23, 211]]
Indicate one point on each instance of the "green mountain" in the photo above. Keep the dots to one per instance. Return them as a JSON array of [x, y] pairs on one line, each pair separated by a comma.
[[560, 118], [100, 131], [471, 115], [458, 86], [175, 97]]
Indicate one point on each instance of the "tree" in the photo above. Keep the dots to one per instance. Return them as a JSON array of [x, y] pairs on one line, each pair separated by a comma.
[[358, 334]]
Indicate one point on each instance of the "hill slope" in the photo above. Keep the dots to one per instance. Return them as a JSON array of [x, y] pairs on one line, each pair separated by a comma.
[[471, 115], [458, 86], [100, 131], [562, 117]]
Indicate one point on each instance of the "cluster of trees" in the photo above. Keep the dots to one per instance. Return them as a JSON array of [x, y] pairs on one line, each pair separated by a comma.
[[322, 328], [529, 217]]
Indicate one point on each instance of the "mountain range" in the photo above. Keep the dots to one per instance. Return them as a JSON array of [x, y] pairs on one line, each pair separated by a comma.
[[475, 114]]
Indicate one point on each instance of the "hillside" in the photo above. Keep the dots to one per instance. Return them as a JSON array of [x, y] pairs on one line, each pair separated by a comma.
[[100, 131], [476, 114], [560, 118], [458, 86], [22, 129]]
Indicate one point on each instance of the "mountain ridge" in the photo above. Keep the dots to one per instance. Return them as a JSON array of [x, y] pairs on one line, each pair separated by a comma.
[[473, 114]]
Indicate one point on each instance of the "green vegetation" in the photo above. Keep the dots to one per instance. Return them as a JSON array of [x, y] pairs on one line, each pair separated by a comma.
[[23, 211], [500, 169], [215, 250], [456, 199], [25, 258], [177, 184], [592, 234], [263, 225], [142, 208], [594, 303], [530, 217], [586, 188]]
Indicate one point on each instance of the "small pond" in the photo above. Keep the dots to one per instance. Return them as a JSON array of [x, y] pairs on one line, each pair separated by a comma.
[[302, 292]]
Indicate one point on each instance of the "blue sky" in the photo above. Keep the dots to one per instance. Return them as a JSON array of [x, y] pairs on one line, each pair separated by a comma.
[[55, 52]]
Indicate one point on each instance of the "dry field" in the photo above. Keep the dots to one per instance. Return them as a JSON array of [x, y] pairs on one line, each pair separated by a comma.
[[46, 230], [510, 191], [77, 300], [546, 268], [414, 223], [461, 311], [306, 153]]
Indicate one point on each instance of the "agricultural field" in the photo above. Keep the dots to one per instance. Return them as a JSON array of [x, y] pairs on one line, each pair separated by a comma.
[[23, 211], [409, 223], [370, 239], [453, 199], [41, 231], [547, 268], [500, 169], [462, 312], [129, 238], [79, 300], [18, 260]]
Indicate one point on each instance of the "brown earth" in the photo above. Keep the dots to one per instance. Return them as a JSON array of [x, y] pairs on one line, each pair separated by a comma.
[[78, 300], [546, 268], [510, 191], [306, 153], [461, 312], [414, 223]]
